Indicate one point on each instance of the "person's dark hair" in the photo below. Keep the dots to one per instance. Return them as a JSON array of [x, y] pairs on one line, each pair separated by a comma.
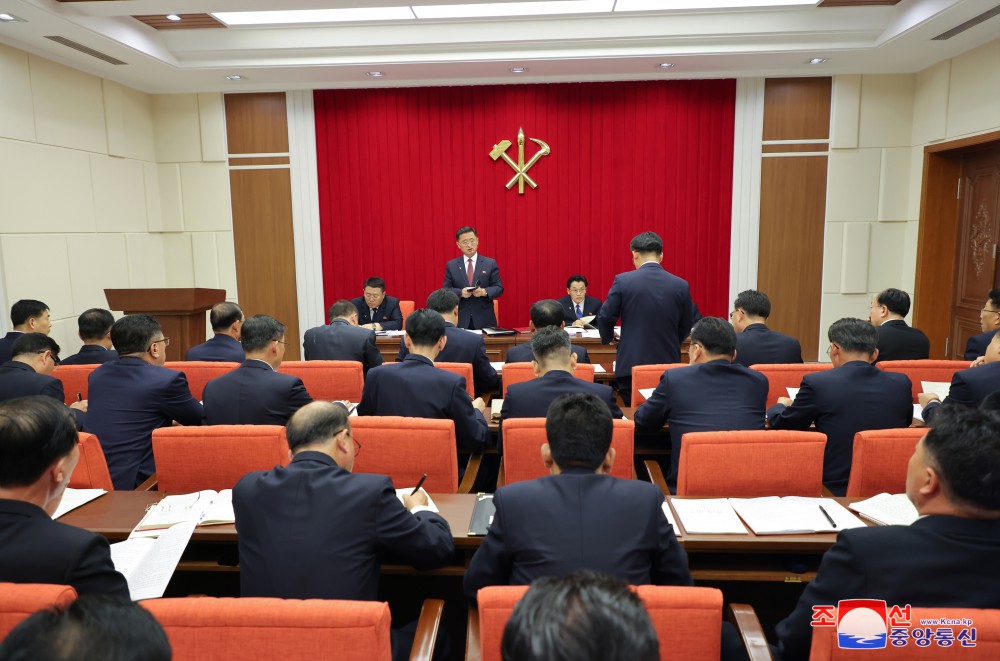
[[34, 343], [991, 403], [753, 303], [375, 283], [95, 626], [550, 343], [442, 301], [224, 315], [94, 324], [578, 427], [896, 301], [34, 432], [26, 309], [464, 230], [993, 295], [342, 308], [963, 446], [547, 312], [260, 330], [425, 327], [133, 333], [716, 335], [576, 278], [647, 242], [315, 423], [585, 616], [853, 335]]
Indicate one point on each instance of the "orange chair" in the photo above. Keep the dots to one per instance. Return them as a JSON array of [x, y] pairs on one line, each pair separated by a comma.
[[218, 629], [521, 372], [200, 372], [524, 437], [192, 459], [747, 464], [406, 309], [328, 379], [91, 471], [19, 600], [75, 379], [782, 377], [924, 370], [648, 376], [462, 369], [879, 462]]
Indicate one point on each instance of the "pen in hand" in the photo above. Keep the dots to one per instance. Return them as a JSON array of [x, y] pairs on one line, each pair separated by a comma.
[[828, 517], [419, 484]]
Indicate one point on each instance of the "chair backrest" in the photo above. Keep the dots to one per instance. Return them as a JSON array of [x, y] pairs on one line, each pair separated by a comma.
[[192, 459], [748, 464], [328, 379], [986, 624], [91, 471], [406, 448], [782, 377], [19, 600], [524, 437], [521, 372], [924, 370], [405, 309], [75, 379], [462, 369], [648, 376], [687, 619], [200, 372], [879, 462], [217, 629]]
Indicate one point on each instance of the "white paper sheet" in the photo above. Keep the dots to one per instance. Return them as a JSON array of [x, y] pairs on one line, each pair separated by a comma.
[[497, 366], [148, 564], [598, 369], [670, 518], [793, 514], [708, 516], [646, 392], [792, 392], [73, 498], [939, 388], [430, 501], [887, 509], [918, 412]]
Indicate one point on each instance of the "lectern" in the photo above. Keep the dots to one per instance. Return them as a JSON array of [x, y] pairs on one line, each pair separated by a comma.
[[180, 311]]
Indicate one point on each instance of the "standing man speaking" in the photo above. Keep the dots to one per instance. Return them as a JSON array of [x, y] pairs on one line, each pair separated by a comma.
[[475, 279]]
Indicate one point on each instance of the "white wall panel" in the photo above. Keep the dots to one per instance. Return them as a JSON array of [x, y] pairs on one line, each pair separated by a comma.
[[894, 184], [69, 107], [205, 258], [212, 117], [98, 262], [146, 264], [886, 111], [844, 112], [37, 266], [16, 107], [930, 103], [854, 262], [852, 185], [179, 261], [119, 194], [206, 199], [885, 269], [45, 189], [177, 128], [974, 102]]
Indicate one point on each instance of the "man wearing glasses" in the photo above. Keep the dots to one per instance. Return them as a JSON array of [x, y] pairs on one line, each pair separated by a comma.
[[576, 304], [989, 320], [134, 395], [29, 372], [475, 279]]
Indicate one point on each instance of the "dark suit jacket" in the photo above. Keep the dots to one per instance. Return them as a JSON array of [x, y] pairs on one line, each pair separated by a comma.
[[464, 347], [522, 353], [91, 354], [976, 345], [715, 396], [253, 394], [21, 380], [312, 530], [843, 401], [655, 309], [387, 313], [477, 311], [36, 549], [128, 399], [759, 345], [590, 306], [969, 387], [417, 389], [897, 341], [557, 524], [7, 344], [219, 349], [937, 561], [342, 341]]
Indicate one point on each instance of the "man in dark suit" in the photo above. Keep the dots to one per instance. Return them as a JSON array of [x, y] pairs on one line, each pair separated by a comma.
[[946, 558], [342, 339], [546, 313], [224, 347], [134, 395], [968, 387], [95, 330], [315, 530], [29, 372], [655, 310], [462, 346], [376, 311], [415, 388], [854, 396], [713, 393], [256, 394], [475, 279], [38, 452], [576, 304], [896, 340], [27, 316], [756, 344], [989, 321]]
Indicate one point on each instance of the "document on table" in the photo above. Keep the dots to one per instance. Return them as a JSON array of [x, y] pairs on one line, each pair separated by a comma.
[[497, 366], [918, 412], [790, 515], [670, 518], [591, 333], [391, 333], [708, 516], [646, 392], [73, 498], [430, 501], [887, 509], [496, 406], [186, 508], [148, 564], [792, 392], [598, 369], [939, 388]]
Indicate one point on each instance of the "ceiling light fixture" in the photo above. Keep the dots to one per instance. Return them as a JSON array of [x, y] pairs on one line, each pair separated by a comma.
[[173, 17], [817, 60], [688, 5], [10, 18], [666, 65], [293, 16], [493, 9], [235, 77], [517, 69], [374, 74]]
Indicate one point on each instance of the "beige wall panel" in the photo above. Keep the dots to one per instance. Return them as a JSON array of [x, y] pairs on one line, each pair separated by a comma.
[[974, 102], [178, 259], [114, 117], [146, 265], [930, 103], [24, 279], [852, 185], [137, 108], [838, 306], [833, 256], [171, 205], [16, 107], [854, 262], [69, 107], [206, 199], [226, 260], [151, 182], [894, 184], [885, 268], [119, 194], [844, 112], [66, 333], [908, 271], [98, 262], [45, 189], [886, 111], [176, 128], [212, 116], [204, 253]]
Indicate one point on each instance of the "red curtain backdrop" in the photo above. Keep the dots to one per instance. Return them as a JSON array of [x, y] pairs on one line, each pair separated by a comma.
[[401, 169]]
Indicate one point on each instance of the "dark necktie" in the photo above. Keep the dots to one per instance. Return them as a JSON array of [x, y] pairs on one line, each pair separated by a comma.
[[579, 313], [469, 272]]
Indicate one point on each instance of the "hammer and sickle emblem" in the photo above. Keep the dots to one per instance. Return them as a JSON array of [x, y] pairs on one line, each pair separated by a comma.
[[520, 168]]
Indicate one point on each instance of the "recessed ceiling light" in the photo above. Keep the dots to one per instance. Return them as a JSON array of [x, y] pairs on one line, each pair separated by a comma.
[[517, 69], [10, 18], [173, 17], [235, 77], [666, 65], [374, 74], [487, 9], [817, 60], [687, 5], [293, 16]]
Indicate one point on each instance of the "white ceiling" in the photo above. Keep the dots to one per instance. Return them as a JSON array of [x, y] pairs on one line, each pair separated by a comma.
[[614, 46]]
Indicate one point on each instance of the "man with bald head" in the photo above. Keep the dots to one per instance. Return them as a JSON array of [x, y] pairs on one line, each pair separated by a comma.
[[224, 347]]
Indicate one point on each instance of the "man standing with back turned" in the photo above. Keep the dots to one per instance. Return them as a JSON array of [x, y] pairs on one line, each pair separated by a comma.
[[475, 279]]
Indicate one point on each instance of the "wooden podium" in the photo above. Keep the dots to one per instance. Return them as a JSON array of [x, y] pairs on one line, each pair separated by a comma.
[[180, 311]]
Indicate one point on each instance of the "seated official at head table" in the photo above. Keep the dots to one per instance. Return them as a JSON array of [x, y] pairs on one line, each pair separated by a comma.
[[576, 304], [94, 327], [29, 372], [756, 344], [376, 310], [342, 338], [971, 386], [27, 316], [224, 347], [546, 313], [989, 320], [896, 339]]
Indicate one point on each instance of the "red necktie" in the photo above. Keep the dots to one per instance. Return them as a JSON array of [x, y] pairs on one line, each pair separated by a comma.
[[469, 273]]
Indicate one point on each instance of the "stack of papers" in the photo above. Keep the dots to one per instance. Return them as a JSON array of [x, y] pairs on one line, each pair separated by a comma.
[[939, 388], [73, 498], [148, 564], [887, 509], [707, 516], [205, 508], [793, 515]]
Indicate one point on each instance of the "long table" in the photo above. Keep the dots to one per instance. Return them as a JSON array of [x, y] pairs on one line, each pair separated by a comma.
[[497, 346]]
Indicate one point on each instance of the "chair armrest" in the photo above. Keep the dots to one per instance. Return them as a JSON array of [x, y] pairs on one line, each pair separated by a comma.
[[656, 475], [471, 472], [751, 633], [149, 484], [501, 475], [473, 651], [427, 630], [826, 493]]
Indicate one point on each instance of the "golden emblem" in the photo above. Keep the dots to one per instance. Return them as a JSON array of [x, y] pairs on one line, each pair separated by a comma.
[[520, 168]]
